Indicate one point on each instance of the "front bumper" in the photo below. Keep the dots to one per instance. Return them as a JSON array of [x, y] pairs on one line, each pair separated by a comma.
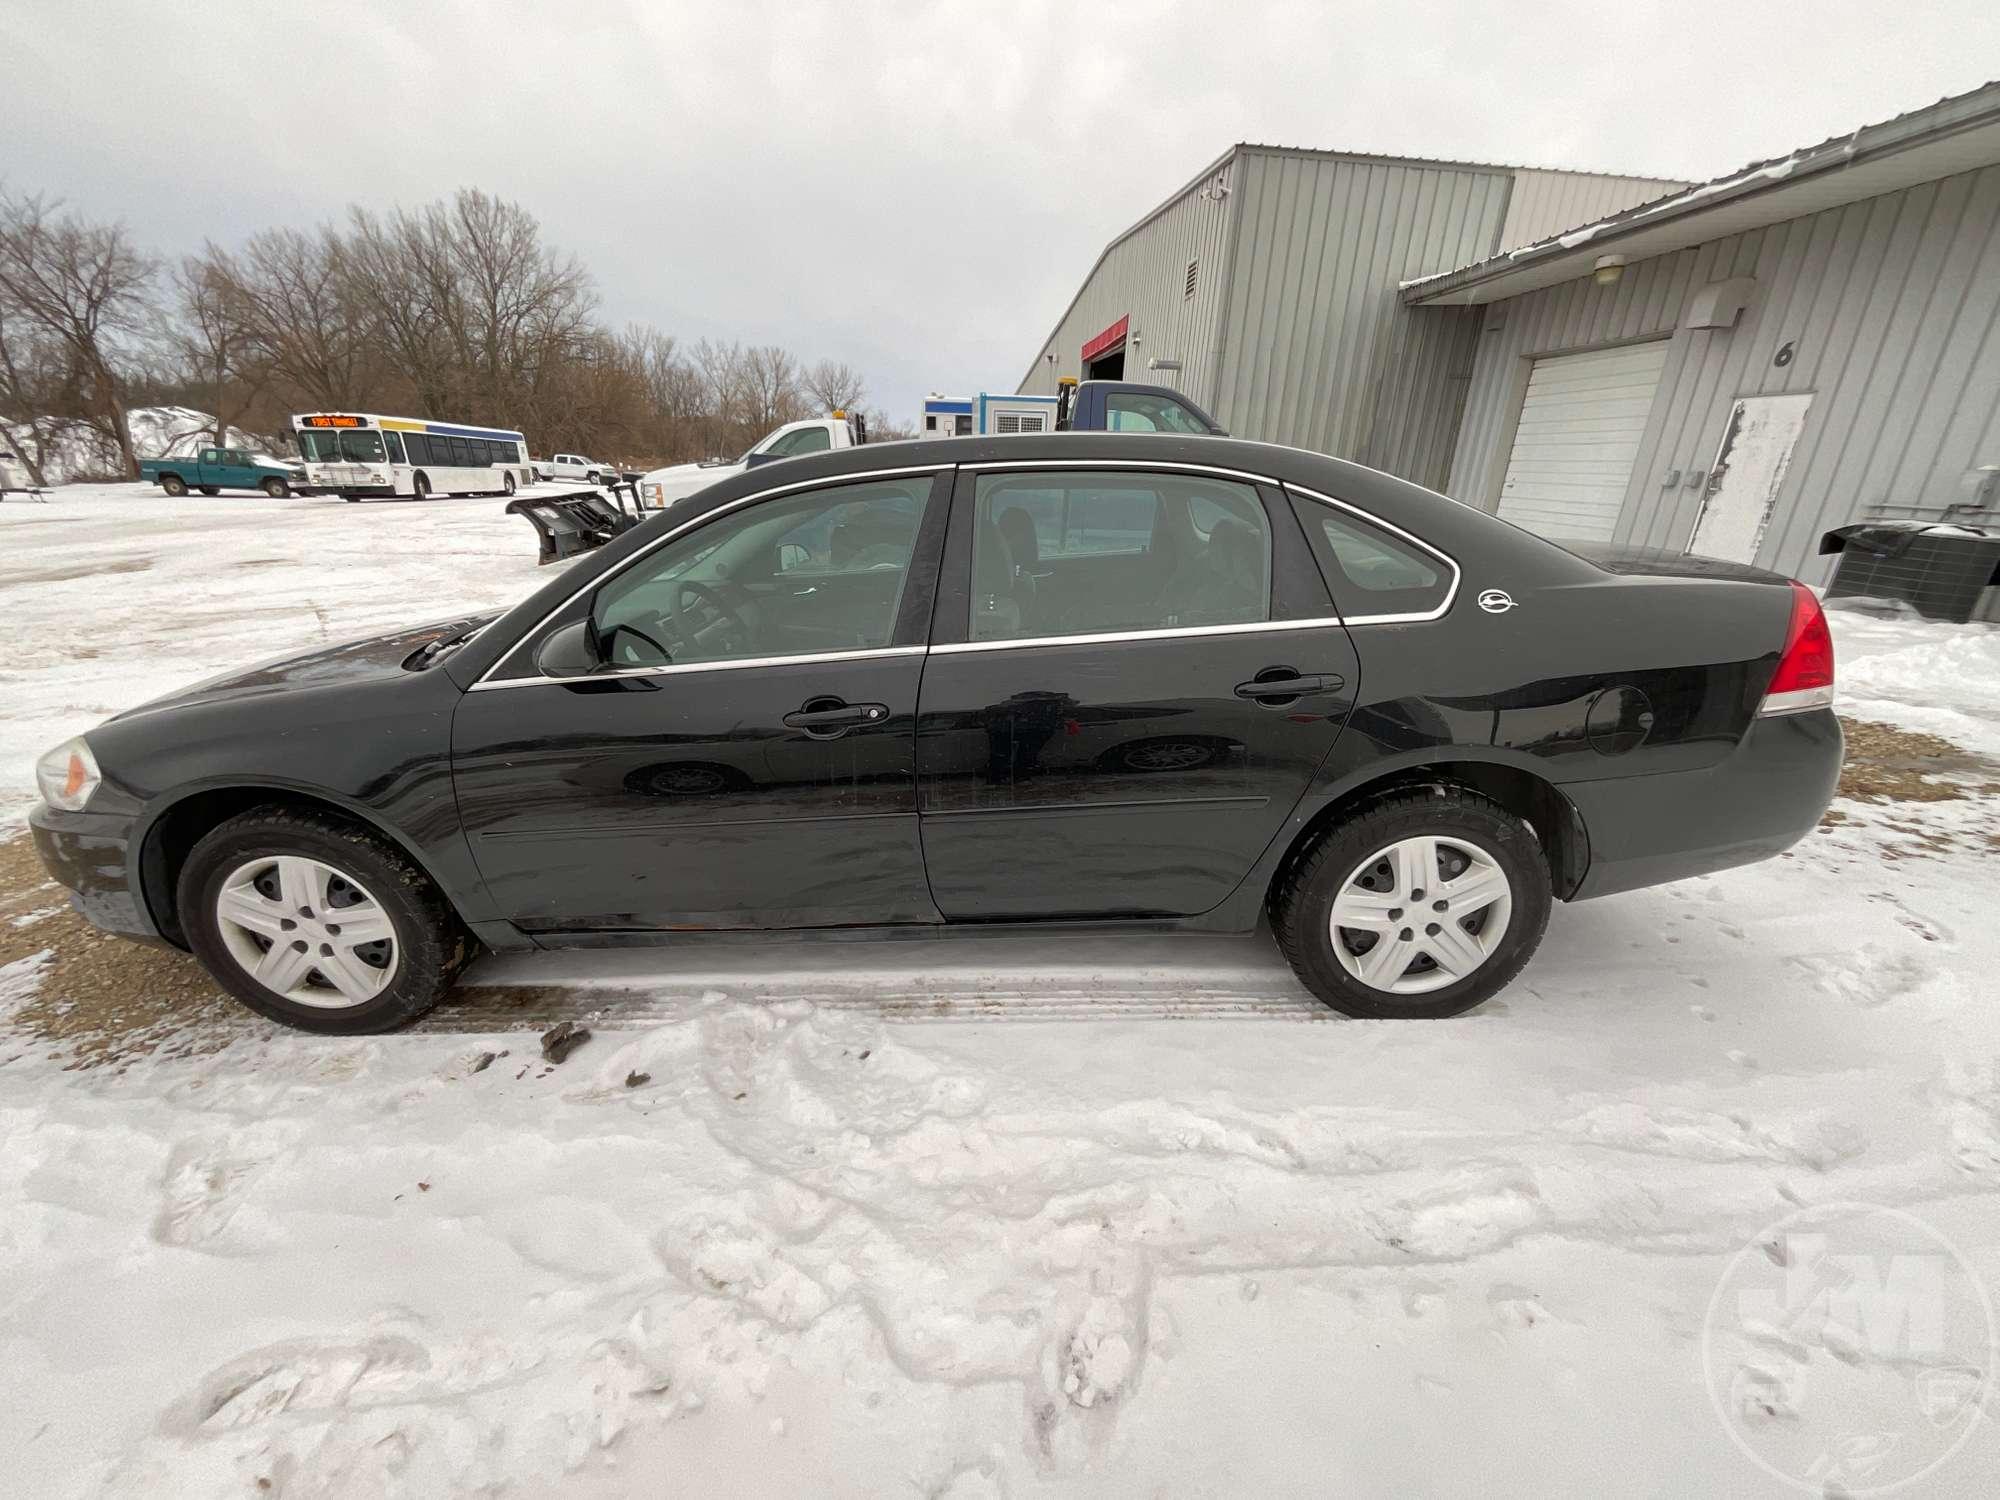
[[1766, 796], [89, 853]]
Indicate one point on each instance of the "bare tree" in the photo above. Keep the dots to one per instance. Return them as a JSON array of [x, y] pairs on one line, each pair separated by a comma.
[[37, 395], [85, 286], [209, 343], [768, 387], [299, 308], [834, 385]]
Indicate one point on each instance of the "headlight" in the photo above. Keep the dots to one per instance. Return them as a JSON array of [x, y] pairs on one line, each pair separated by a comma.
[[653, 496], [67, 776]]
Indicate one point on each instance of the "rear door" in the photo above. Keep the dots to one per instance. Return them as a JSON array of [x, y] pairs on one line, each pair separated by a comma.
[[1133, 675]]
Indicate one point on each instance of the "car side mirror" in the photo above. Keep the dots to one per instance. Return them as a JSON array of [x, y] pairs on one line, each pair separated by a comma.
[[575, 650]]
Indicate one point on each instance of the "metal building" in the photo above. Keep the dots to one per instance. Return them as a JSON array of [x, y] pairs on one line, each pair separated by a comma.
[[1267, 290], [1731, 368]]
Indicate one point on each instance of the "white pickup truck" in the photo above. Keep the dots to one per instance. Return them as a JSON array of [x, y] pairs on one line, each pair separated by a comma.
[[664, 487], [574, 468]]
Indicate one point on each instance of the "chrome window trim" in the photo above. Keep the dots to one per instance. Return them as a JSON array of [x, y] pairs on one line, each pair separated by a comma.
[[1133, 466], [1165, 632], [1457, 574], [725, 664], [828, 481]]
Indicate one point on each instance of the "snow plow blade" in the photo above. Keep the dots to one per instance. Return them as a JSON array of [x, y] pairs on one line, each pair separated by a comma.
[[574, 522]]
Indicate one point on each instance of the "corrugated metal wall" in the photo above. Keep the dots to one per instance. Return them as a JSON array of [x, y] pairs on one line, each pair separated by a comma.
[[1546, 203], [1892, 308], [1317, 349], [1143, 275]]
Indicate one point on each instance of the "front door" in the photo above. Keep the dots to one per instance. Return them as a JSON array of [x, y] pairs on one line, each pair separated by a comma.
[[749, 758], [1128, 691], [1749, 469]]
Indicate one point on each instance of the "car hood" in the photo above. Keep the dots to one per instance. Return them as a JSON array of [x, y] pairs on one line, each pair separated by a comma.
[[678, 481], [351, 662]]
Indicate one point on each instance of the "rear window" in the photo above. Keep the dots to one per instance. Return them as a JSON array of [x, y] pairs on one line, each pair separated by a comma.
[[1369, 570]]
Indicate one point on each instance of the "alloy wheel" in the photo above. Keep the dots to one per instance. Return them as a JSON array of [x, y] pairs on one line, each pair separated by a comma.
[[1421, 914], [306, 931]]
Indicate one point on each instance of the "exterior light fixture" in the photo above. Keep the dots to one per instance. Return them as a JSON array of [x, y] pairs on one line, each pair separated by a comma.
[[1608, 269]]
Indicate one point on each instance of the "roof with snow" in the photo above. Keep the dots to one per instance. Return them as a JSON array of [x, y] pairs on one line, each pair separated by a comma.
[[1957, 134]]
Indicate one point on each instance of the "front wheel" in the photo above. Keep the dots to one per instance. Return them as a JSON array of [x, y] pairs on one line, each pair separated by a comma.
[[1428, 903], [420, 488], [277, 489], [317, 923]]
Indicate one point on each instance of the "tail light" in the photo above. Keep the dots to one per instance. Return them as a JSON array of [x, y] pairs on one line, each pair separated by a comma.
[[1804, 678]]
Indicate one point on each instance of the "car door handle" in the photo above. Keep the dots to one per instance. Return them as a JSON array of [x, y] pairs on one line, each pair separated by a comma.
[[1298, 685], [829, 718]]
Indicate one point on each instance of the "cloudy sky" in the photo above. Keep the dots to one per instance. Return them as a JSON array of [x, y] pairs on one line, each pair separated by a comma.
[[916, 189]]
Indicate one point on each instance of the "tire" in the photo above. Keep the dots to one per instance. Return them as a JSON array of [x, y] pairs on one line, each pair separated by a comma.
[[420, 487], [211, 489], [277, 489], [174, 485], [507, 485], [1375, 858], [420, 957]]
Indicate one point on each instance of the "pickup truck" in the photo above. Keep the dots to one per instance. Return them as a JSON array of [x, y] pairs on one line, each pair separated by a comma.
[[574, 468], [213, 470], [663, 487], [1123, 406]]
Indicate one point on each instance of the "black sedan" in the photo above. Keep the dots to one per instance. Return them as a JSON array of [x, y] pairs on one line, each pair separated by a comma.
[[1173, 683]]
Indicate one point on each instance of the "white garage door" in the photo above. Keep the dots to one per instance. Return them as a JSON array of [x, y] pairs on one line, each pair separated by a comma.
[[1578, 439]]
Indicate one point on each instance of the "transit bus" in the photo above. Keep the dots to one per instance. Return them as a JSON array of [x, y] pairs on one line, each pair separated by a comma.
[[356, 455]]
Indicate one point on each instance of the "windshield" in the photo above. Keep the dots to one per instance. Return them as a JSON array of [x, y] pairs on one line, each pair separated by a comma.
[[319, 447]]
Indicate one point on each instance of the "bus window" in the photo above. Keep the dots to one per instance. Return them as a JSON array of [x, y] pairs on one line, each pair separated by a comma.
[[395, 442], [461, 452], [361, 446]]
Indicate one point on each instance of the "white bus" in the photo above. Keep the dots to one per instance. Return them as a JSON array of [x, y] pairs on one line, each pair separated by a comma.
[[356, 455]]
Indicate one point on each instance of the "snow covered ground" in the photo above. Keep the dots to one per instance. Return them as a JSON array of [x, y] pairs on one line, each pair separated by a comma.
[[1117, 1217]]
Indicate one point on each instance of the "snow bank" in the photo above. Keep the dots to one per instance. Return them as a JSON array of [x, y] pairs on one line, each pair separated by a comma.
[[1925, 674], [157, 432]]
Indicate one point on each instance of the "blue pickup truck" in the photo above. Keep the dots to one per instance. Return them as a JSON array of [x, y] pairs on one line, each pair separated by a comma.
[[213, 470]]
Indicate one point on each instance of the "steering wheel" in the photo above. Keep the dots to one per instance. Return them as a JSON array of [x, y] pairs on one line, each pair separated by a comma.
[[711, 620]]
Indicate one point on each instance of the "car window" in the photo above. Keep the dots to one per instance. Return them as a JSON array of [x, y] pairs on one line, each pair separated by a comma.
[[1371, 571], [805, 440], [1088, 552], [1136, 411], [822, 571]]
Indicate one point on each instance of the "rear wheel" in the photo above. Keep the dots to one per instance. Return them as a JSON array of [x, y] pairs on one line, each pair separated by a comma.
[[508, 484], [318, 923], [211, 489], [173, 484], [1425, 905], [277, 489]]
